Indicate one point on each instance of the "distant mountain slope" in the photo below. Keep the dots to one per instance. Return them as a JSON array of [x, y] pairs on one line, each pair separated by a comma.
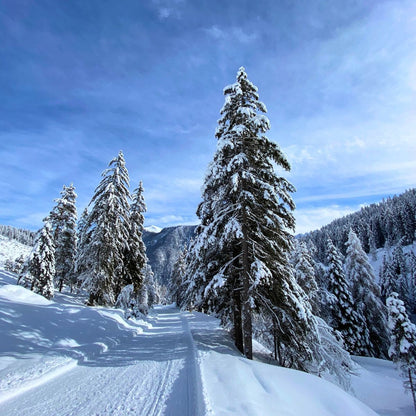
[[163, 248]]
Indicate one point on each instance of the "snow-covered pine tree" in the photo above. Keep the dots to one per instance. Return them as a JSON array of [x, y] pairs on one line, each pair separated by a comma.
[[18, 264], [345, 319], [106, 235], [135, 255], [176, 284], [303, 265], [398, 269], [136, 304], [239, 259], [140, 291], [388, 283], [152, 286], [64, 223], [402, 348], [83, 241], [42, 263], [366, 296]]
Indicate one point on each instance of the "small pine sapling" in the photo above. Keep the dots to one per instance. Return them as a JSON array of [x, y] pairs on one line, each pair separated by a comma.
[[402, 342]]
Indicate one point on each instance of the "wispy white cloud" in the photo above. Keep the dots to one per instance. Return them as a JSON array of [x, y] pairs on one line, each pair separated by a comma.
[[169, 8], [164, 12], [309, 219], [231, 34], [339, 83], [33, 220]]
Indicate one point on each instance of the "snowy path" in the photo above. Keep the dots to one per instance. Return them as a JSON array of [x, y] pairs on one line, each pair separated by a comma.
[[154, 373], [62, 358]]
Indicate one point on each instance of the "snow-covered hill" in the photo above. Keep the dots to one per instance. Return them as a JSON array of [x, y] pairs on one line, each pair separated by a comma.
[[11, 249], [376, 259], [62, 358]]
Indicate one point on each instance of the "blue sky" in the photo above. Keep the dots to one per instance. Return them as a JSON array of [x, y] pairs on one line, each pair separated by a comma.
[[81, 80]]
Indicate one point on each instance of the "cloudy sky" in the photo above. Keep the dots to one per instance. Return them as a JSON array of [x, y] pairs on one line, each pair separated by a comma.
[[81, 80]]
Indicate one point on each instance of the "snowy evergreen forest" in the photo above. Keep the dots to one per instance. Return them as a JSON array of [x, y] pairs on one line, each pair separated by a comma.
[[23, 236], [313, 301], [101, 254], [385, 224]]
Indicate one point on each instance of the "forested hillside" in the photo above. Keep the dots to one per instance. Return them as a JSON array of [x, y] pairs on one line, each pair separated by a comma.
[[377, 225], [22, 236]]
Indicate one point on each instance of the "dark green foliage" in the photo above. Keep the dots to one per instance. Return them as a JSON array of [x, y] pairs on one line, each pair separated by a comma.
[[238, 264], [64, 223], [345, 317], [135, 252], [105, 236]]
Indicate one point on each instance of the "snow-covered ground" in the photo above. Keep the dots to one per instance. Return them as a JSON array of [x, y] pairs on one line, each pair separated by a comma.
[[11, 249], [62, 358]]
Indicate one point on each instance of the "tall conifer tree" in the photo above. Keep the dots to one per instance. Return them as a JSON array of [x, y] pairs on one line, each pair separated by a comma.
[[366, 295], [305, 274], [64, 222], [42, 263], [345, 318], [239, 259], [402, 348], [135, 256], [106, 235]]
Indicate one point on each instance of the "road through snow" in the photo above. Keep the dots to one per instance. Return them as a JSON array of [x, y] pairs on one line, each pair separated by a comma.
[[153, 373]]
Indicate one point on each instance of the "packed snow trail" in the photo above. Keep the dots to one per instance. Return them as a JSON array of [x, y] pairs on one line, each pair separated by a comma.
[[154, 373], [62, 358]]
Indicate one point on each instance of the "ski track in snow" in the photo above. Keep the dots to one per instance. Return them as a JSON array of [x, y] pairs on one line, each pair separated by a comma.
[[155, 374], [60, 358]]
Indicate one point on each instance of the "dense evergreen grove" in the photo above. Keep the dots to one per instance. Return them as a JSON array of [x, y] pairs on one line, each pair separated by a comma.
[[391, 225], [377, 225], [22, 236], [102, 253]]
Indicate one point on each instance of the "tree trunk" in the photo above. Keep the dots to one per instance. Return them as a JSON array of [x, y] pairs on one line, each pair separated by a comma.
[[247, 330], [247, 319], [412, 387], [238, 327], [275, 339]]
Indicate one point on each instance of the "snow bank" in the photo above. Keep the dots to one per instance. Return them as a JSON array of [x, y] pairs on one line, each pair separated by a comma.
[[236, 386], [19, 294], [41, 339], [18, 376]]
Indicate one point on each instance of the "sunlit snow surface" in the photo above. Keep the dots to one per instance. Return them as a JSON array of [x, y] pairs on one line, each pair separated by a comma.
[[11, 249], [62, 358]]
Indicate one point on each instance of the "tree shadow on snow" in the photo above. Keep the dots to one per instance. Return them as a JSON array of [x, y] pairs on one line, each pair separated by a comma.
[[93, 336]]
